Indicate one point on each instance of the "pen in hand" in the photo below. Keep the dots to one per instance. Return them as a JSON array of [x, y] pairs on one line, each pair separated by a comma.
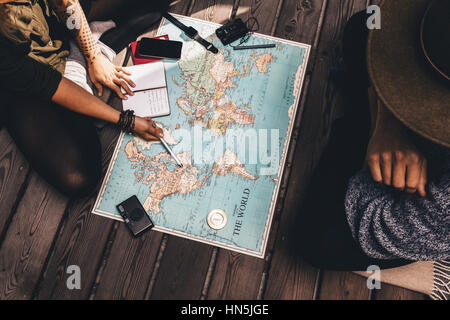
[[165, 144], [171, 152]]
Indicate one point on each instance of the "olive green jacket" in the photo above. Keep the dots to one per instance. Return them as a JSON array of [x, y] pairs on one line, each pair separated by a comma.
[[33, 48]]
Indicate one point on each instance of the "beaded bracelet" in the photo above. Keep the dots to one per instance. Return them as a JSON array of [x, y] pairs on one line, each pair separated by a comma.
[[127, 121]]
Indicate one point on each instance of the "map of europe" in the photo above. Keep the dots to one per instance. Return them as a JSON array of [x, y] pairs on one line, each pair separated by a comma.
[[230, 125]]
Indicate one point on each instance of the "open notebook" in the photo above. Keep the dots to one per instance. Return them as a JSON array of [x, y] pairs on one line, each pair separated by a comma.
[[150, 94]]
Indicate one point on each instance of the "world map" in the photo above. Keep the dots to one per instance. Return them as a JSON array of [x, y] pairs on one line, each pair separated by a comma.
[[230, 124]]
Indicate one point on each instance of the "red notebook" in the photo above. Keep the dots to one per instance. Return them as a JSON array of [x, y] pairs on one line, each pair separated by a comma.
[[137, 59]]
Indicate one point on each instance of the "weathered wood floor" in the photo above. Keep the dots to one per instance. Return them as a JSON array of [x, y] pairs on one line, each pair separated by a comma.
[[42, 232]]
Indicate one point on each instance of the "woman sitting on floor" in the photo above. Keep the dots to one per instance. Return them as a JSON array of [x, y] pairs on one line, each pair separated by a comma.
[[48, 115]]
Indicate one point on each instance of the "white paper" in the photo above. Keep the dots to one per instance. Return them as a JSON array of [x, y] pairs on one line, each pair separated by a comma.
[[148, 103], [150, 94], [147, 76]]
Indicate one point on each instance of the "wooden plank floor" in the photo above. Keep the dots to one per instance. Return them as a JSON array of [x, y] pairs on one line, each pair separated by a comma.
[[42, 232]]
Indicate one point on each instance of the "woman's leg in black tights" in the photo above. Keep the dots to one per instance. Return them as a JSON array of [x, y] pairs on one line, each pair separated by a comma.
[[324, 237], [62, 146], [132, 17]]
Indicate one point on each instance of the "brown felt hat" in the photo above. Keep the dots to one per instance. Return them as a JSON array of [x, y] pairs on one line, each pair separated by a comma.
[[408, 61]]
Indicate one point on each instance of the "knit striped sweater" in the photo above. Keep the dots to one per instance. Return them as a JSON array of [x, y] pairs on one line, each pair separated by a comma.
[[390, 224]]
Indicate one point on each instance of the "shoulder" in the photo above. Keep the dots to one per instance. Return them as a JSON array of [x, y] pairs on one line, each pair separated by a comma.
[[16, 20]]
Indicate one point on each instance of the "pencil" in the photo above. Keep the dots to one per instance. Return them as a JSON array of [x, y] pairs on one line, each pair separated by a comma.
[[258, 46]]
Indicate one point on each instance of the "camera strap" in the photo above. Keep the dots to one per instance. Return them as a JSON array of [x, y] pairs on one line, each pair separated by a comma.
[[191, 33]]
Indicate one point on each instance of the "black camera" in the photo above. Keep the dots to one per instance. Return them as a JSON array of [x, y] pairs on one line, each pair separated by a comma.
[[232, 31], [135, 216]]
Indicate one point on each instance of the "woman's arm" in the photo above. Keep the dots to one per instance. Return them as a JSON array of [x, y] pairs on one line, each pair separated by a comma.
[[392, 225], [75, 98], [101, 70], [72, 14]]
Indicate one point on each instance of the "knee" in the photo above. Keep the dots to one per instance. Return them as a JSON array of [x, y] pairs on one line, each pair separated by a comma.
[[354, 46], [357, 22], [83, 170], [81, 173], [80, 182]]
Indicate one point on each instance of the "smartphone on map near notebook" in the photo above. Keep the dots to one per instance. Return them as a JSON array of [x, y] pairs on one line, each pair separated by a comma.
[[137, 58], [158, 48]]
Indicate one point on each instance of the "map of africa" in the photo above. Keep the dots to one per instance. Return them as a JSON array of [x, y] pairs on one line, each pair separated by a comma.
[[230, 124]]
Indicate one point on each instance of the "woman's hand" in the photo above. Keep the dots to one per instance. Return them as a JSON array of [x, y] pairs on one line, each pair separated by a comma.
[[104, 73], [392, 157], [101, 71], [147, 129]]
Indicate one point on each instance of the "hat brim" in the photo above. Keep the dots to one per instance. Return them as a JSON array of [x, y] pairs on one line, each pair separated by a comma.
[[400, 75]]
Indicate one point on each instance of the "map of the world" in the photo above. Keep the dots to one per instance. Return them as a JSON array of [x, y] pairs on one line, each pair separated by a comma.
[[230, 124]]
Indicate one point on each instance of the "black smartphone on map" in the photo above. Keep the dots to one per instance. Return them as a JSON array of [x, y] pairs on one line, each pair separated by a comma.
[[158, 48]]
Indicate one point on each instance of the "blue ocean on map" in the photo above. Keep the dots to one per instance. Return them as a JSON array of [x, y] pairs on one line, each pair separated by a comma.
[[255, 91]]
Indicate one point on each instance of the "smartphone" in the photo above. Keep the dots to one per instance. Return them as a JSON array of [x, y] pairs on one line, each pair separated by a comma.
[[158, 48]]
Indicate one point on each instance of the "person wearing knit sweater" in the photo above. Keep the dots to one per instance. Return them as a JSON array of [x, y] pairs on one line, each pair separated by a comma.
[[380, 195]]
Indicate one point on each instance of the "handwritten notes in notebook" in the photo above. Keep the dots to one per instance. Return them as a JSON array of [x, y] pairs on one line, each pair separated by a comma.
[[150, 94]]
